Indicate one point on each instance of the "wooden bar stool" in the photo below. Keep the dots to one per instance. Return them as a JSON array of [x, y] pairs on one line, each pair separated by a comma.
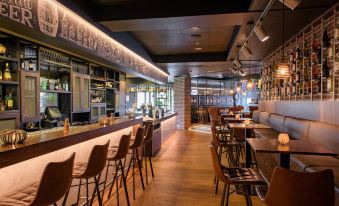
[[53, 185], [137, 144], [90, 169], [147, 147], [116, 156]]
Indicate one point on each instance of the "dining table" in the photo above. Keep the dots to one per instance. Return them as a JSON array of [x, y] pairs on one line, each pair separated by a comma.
[[246, 128], [302, 147]]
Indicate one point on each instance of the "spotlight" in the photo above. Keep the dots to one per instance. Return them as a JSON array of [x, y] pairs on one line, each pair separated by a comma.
[[241, 72], [247, 51], [260, 32], [238, 89], [234, 70], [292, 4], [237, 63]]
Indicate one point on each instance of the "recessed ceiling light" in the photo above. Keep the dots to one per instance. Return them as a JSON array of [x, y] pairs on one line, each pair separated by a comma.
[[194, 29], [196, 36], [197, 48]]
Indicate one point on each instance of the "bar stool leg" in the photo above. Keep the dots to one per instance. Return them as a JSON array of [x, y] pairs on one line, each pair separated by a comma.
[[247, 196], [103, 191], [145, 154], [150, 162], [79, 190], [86, 191], [140, 171], [98, 192], [117, 183], [124, 180], [133, 164], [114, 179], [223, 195]]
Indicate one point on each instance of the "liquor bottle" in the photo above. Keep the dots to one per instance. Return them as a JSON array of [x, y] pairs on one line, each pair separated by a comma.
[[7, 73], [9, 101], [30, 65], [22, 61], [326, 39], [298, 54], [297, 77], [326, 69], [1, 75]]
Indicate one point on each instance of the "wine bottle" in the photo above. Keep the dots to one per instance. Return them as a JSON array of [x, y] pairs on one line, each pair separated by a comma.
[[1, 74], [326, 69], [22, 62], [297, 77], [7, 74], [326, 39], [30, 65], [9, 101]]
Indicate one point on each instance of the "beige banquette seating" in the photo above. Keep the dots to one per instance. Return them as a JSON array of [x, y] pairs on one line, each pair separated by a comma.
[[322, 134]]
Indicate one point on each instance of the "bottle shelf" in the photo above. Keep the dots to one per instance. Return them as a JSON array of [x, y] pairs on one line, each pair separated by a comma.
[[56, 91], [9, 111], [9, 58], [9, 82]]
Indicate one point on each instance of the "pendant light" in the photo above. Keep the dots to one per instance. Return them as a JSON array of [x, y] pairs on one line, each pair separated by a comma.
[[283, 70]]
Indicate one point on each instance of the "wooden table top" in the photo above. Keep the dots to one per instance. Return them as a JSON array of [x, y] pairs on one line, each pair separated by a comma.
[[293, 147], [236, 119], [249, 126]]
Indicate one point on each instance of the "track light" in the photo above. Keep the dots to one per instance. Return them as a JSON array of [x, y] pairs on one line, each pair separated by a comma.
[[246, 51], [260, 32], [292, 4], [241, 72], [234, 70], [237, 63]]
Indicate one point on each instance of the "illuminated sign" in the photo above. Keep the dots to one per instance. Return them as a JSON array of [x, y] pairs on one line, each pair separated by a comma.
[[53, 19]]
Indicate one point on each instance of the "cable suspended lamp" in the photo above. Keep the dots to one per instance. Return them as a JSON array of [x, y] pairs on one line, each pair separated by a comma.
[[283, 70]]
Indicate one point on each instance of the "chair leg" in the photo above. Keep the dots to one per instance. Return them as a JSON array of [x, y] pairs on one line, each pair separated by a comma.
[[98, 191], [223, 195], [117, 183], [133, 180], [79, 190], [227, 195], [146, 163], [124, 180], [86, 191], [247, 196], [140, 170], [103, 191]]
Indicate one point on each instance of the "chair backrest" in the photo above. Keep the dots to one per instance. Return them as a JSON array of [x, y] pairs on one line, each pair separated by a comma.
[[216, 163], [97, 160], [215, 137], [214, 113], [123, 146], [139, 138], [149, 133], [55, 181], [300, 189]]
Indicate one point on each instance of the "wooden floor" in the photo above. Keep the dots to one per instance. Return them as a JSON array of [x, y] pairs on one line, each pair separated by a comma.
[[183, 176]]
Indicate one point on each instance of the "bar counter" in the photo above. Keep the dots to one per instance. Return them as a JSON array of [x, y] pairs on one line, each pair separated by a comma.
[[46, 141]]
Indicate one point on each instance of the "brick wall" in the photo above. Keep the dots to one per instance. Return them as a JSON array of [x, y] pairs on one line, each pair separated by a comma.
[[182, 101]]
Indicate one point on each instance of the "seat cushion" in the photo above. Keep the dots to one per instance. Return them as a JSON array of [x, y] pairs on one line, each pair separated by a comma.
[[255, 115], [325, 135], [22, 196], [296, 128], [266, 133], [315, 161], [263, 117], [276, 121]]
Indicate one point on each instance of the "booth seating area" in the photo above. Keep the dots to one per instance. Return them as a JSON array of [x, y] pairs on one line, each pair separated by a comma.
[[322, 134]]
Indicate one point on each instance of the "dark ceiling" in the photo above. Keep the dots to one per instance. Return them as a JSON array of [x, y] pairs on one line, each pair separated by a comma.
[[165, 29]]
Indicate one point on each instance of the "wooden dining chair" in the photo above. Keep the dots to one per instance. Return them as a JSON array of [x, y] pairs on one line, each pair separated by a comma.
[[291, 188]]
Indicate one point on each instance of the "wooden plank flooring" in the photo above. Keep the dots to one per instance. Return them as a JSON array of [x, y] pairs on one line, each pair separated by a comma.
[[183, 176]]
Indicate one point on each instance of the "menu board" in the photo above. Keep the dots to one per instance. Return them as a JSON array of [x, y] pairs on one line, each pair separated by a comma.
[[53, 19]]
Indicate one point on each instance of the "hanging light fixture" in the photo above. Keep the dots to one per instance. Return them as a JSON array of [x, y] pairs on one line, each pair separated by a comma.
[[241, 72], [283, 70], [233, 70], [260, 32], [247, 52], [292, 4]]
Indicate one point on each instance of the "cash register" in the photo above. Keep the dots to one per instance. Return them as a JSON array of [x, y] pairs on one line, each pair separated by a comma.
[[53, 118]]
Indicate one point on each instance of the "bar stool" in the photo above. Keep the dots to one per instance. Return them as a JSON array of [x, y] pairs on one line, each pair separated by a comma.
[[53, 185], [137, 143], [116, 156], [90, 169], [147, 152]]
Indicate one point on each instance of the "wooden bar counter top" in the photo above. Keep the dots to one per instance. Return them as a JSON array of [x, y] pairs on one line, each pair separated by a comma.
[[46, 141]]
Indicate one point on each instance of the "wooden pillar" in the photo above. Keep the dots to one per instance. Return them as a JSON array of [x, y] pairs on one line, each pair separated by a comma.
[[182, 101]]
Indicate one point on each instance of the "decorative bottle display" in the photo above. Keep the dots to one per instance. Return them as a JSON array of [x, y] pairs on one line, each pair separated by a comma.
[[30, 65], [7, 74], [9, 101]]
